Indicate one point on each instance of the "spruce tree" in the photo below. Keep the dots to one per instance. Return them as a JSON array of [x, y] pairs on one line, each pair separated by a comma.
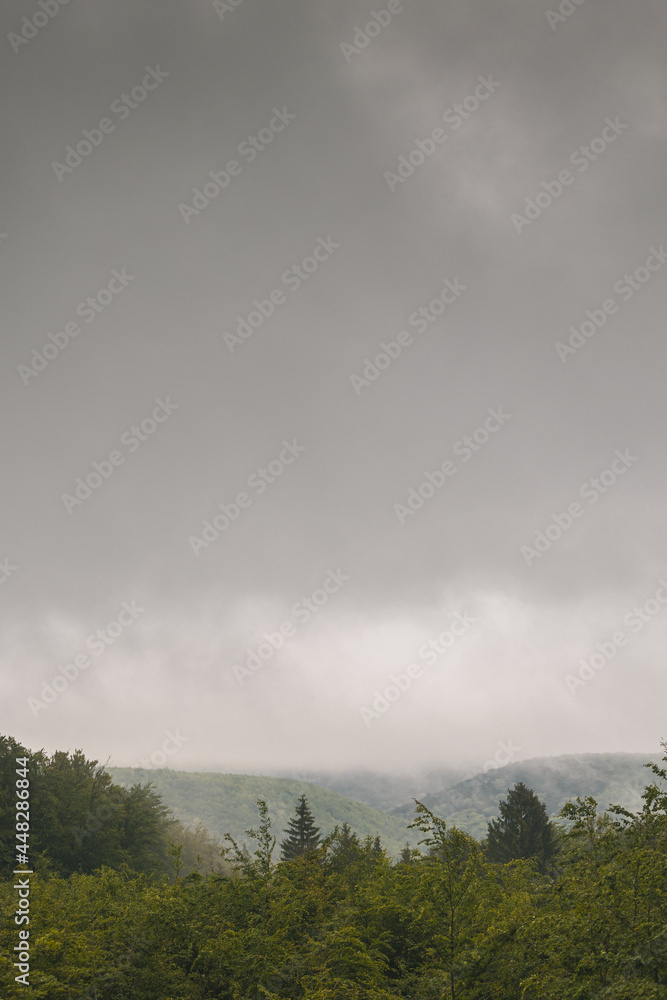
[[523, 829], [343, 845], [302, 836], [407, 855]]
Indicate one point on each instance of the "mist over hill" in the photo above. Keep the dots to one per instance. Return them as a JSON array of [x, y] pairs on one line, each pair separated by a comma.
[[610, 778], [380, 790], [226, 803]]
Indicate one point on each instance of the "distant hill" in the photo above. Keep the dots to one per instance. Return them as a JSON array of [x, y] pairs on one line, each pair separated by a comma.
[[382, 791], [609, 777], [227, 803]]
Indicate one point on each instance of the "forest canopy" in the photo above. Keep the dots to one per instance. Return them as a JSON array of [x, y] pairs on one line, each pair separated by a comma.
[[536, 911]]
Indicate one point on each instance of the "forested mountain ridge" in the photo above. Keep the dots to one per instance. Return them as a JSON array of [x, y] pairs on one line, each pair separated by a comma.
[[227, 803], [114, 911], [611, 778], [341, 921]]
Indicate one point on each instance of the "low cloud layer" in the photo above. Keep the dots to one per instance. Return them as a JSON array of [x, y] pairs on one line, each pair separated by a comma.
[[303, 294]]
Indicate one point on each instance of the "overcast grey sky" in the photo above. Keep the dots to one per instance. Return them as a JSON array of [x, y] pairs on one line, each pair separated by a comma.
[[431, 223]]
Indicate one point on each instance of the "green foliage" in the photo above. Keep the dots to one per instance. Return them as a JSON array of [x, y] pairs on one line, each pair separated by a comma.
[[340, 920], [199, 852], [471, 803], [225, 803], [302, 834], [523, 830], [263, 865], [9, 751], [81, 821]]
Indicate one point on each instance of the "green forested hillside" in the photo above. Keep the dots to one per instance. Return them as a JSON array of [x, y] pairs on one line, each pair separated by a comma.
[[105, 903], [228, 803], [341, 922], [609, 777]]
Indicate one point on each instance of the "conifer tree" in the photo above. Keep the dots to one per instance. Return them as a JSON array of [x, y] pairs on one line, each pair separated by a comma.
[[407, 855], [343, 844], [523, 829], [302, 836]]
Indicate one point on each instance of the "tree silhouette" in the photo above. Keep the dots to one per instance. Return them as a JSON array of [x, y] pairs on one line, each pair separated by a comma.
[[302, 836], [523, 829]]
